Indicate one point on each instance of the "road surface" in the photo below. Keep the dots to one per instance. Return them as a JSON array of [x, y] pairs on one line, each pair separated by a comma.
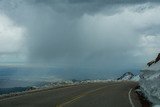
[[120, 94]]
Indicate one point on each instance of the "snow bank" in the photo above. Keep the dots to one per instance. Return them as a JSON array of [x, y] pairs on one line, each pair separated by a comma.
[[150, 83]]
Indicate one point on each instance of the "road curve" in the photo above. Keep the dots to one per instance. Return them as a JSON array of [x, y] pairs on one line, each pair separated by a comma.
[[112, 94]]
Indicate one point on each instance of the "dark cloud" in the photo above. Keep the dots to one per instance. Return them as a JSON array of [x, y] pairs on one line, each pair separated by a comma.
[[95, 1], [99, 35], [77, 8]]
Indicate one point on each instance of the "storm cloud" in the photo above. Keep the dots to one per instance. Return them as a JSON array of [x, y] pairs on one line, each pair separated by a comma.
[[100, 35]]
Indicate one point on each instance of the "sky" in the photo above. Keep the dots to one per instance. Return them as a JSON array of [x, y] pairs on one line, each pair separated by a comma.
[[97, 36]]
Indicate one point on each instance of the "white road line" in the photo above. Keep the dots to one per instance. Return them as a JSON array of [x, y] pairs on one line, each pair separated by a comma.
[[130, 99]]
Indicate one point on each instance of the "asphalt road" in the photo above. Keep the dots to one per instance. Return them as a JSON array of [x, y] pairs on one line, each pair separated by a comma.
[[90, 95]]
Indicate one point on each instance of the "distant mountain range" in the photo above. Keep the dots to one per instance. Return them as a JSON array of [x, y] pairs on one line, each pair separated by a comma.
[[15, 89]]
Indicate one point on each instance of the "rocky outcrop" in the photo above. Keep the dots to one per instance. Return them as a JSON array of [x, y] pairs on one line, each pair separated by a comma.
[[126, 76], [154, 61]]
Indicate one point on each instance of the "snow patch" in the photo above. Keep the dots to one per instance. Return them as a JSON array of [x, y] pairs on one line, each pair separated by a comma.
[[136, 78]]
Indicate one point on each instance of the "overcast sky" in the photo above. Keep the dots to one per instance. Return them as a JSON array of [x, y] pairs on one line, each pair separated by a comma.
[[101, 35]]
